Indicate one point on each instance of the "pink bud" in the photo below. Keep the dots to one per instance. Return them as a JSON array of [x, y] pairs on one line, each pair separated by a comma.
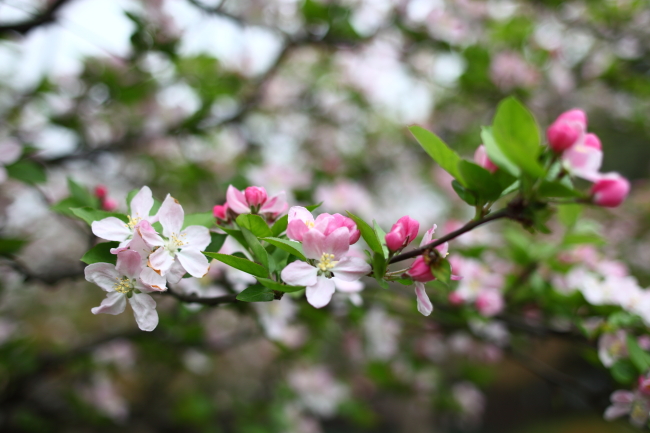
[[336, 221], [575, 115], [109, 204], [420, 271], [592, 140], [221, 212], [563, 134], [403, 232], [255, 196], [481, 158], [101, 191], [610, 190]]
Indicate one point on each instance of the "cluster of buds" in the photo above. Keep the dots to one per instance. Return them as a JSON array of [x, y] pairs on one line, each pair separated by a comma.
[[253, 200], [107, 203]]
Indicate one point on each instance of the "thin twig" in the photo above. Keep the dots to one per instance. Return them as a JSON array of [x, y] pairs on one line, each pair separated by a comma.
[[48, 16]]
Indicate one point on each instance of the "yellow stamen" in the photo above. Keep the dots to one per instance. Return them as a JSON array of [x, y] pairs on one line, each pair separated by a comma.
[[326, 262], [123, 285], [310, 224], [133, 222]]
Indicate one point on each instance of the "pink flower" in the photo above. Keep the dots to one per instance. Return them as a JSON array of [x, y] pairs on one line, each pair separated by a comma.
[[567, 129], [610, 190], [420, 270], [481, 158], [424, 303], [403, 232], [489, 302], [612, 347], [627, 402], [328, 264], [301, 221], [255, 200], [177, 244], [127, 280], [10, 151], [584, 158], [114, 229]]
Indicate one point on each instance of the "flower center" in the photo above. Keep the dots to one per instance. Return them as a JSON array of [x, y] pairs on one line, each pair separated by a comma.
[[133, 222], [326, 262], [124, 285], [175, 242], [310, 224]]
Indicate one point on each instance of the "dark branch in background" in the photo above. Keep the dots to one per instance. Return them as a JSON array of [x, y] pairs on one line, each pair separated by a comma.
[[217, 300], [46, 17]]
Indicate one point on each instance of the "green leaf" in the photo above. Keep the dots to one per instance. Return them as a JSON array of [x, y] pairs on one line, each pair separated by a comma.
[[241, 264], [438, 150], [280, 226], [255, 224], [89, 214], [216, 242], [10, 246], [556, 189], [639, 357], [101, 253], [258, 250], [381, 235], [237, 234], [466, 195], [368, 234], [27, 171], [291, 247], [495, 154], [81, 195], [313, 207], [205, 219], [517, 135], [256, 293], [583, 238], [274, 285], [480, 180], [442, 271], [623, 371], [379, 265], [63, 207], [569, 214]]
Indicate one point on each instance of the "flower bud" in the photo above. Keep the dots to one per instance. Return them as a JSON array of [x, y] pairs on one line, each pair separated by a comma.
[[563, 134], [101, 191], [644, 385], [610, 190], [575, 115], [592, 140], [220, 212], [109, 204], [337, 220], [255, 196], [403, 232], [420, 271], [481, 158]]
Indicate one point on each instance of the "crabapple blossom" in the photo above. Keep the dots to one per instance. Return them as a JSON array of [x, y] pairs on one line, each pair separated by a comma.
[[567, 129], [178, 244], [420, 270], [481, 158], [584, 158], [10, 151], [610, 190], [403, 232], [329, 264], [255, 200], [612, 347], [636, 404], [301, 221], [114, 229], [489, 302], [127, 280]]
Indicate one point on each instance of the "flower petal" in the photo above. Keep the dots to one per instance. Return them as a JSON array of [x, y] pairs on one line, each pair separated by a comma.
[[299, 274], [276, 204], [197, 237], [313, 244], [176, 272], [300, 213], [148, 234], [151, 281], [10, 151], [194, 262], [142, 203], [114, 303], [236, 200], [129, 263], [347, 286], [103, 274], [144, 310], [338, 242], [171, 216], [320, 294], [3, 174], [428, 235], [160, 261], [351, 268], [112, 229], [424, 303]]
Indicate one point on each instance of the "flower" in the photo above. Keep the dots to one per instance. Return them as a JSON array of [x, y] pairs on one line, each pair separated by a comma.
[[301, 221], [481, 158], [612, 347], [610, 190], [114, 229], [403, 232], [184, 246], [420, 269], [627, 402], [255, 200], [329, 264], [127, 280], [10, 151], [584, 158], [567, 129]]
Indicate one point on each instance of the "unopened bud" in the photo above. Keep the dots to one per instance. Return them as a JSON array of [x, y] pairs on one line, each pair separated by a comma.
[[481, 158], [403, 232], [610, 190], [255, 196], [420, 271]]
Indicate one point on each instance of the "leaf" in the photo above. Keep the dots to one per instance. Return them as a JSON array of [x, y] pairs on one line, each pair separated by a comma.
[[466, 195], [81, 195], [291, 247], [313, 207], [274, 285], [438, 150], [10, 246], [368, 234], [495, 154], [204, 219], [216, 242], [101, 253], [256, 293], [442, 271], [258, 250], [556, 189], [244, 265], [517, 136], [63, 207], [480, 180], [27, 171], [237, 234], [90, 215], [280, 226], [623, 372], [379, 265], [255, 224], [639, 357]]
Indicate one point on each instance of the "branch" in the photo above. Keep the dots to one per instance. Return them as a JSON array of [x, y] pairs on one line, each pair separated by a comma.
[[48, 16], [225, 299]]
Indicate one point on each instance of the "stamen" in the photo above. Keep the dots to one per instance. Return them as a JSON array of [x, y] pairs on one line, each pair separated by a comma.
[[326, 262], [132, 222], [123, 285]]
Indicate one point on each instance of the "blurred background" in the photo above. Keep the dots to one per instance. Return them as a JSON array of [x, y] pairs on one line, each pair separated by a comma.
[[311, 97]]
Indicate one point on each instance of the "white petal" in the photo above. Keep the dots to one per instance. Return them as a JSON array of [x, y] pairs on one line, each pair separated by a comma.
[[142, 203], [144, 310], [171, 216], [320, 293], [103, 274], [299, 274], [10, 151], [176, 272], [129, 263], [114, 303], [160, 261], [112, 229], [151, 281], [194, 262], [424, 303], [351, 268], [300, 213], [196, 237]]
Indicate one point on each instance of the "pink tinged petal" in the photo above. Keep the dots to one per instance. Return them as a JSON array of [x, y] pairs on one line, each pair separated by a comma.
[[574, 115], [10, 151], [396, 238], [351, 268], [428, 235], [443, 249], [3, 174], [112, 229], [299, 274], [114, 303], [236, 201], [313, 244], [296, 230], [617, 410], [424, 303], [171, 216], [338, 242], [160, 261], [149, 235], [194, 262], [300, 213], [276, 204], [129, 263], [176, 272], [323, 223], [144, 310], [622, 397], [103, 274], [197, 237], [142, 203], [320, 294], [151, 281], [583, 161], [347, 286]]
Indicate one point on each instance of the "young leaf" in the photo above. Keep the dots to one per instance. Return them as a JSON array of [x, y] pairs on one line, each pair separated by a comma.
[[379, 265], [495, 154], [81, 195], [280, 225], [313, 207], [274, 285], [216, 242], [291, 247], [368, 234], [639, 357], [466, 195], [257, 248], [27, 171], [480, 180], [438, 150], [101, 253], [237, 234], [90, 215], [256, 293], [9, 246], [255, 224], [241, 264], [381, 235], [556, 189], [205, 219], [442, 271]]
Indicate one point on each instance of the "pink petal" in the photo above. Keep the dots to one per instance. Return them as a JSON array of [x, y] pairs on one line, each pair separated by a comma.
[[151, 281], [583, 161], [114, 303], [142, 203], [347, 286], [10, 151], [236, 200], [313, 244], [296, 230], [320, 294], [300, 213], [424, 303], [171, 216], [338, 242], [103, 274], [197, 237], [428, 235], [615, 411], [129, 263], [276, 204], [149, 235], [144, 310], [299, 274], [194, 262], [351, 269], [160, 261], [112, 229]]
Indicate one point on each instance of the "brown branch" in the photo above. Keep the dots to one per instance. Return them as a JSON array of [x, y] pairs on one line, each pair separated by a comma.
[[48, 16], [217, 300]]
